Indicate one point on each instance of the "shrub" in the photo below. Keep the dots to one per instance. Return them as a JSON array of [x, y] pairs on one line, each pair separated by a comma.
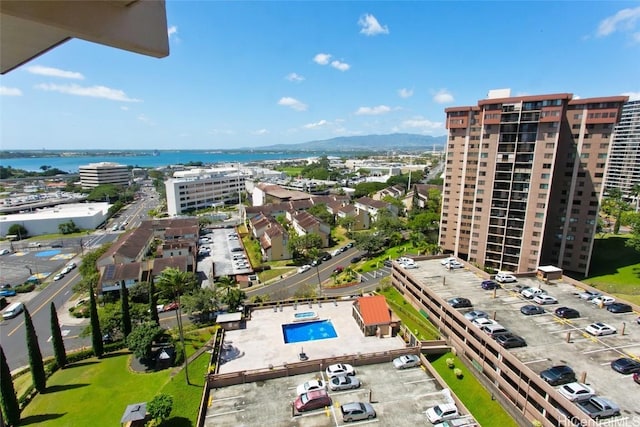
[[458, 372], [25, 288], [450, 362]]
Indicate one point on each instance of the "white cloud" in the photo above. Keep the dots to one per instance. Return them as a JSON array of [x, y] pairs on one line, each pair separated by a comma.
[[146, 120], [54, 72], [292, 103], [443, 97], [294, 77], [260, 132], [322, 58], [405, 93], [342, 66], [624, 21], [172, 30], [91, 91], [315, 125], [423, 124], [10, 91], [370, 26], [372, 111], [633, 96]]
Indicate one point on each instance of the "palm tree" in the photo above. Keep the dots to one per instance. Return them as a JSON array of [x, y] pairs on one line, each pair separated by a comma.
[[172, 283]]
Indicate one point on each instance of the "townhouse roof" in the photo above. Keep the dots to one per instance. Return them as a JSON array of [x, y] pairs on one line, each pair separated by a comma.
[[160, 264], [305, 219], [130, 245], [368, 201]]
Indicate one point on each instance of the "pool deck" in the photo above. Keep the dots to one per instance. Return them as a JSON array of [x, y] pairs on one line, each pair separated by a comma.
[[262, 342]]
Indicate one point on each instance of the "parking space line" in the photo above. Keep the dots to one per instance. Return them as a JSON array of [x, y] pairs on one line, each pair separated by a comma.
[[228, 398], [225, 413], [535, 361], [419, 381], [609, 348]]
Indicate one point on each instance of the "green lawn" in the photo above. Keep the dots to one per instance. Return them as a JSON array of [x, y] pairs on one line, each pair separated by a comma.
[[292, 171], [475, 397], [410, 317], [615, 268]]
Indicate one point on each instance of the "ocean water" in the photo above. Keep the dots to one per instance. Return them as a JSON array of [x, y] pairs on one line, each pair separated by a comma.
[[160, 158]]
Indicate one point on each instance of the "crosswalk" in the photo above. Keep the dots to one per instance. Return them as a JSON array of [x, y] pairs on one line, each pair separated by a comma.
[[376, 274]]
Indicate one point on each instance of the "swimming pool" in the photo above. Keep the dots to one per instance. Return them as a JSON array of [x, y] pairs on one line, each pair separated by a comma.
[[308, 331], [305, 316]]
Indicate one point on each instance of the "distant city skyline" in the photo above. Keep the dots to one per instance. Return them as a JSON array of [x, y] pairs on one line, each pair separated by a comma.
[[253, 74]]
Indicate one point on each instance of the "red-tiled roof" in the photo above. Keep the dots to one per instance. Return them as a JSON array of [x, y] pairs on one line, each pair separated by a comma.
[[374, 310]]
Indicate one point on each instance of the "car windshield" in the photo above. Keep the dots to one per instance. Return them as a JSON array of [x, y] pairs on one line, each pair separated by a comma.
[[304, 398]]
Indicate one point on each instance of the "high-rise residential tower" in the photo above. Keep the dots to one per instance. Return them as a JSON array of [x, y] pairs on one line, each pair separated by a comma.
[[524, 178], [623, 170]]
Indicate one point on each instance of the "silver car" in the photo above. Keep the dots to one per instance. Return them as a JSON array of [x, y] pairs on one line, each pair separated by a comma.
[[343, 383], [406, 361], [356, 411]]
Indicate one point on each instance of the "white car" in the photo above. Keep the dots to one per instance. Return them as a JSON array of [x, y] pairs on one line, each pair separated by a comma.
[[304, 268], [599, 329], [4, 251], [483, 321], [408, 265], [589, 295], [576, 391], [310, 386], [529, 293], [448, 260], [544, 299], [406, 361], [58, 277], [505, 278], [474, 314], [603, 300], [442, 412], [454, 264], [343, 382], [340, 369]]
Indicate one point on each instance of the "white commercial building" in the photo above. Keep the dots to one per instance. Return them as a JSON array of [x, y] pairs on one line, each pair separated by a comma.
[[203, 188], [95, 174], [86, 216]]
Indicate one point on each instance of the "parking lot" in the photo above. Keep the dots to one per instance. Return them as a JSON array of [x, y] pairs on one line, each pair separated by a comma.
[[399, 398], [40, 263], [550, 339], [223, 244]]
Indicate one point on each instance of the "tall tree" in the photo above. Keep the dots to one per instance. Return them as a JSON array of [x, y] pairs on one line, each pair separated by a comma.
[[173, 283], [35, 355], [8, 398], [124, 304], [153, 303], [96, 333], [56, 338]]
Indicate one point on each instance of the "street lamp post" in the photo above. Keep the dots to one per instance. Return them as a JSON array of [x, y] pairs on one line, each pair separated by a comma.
[[319, 282]]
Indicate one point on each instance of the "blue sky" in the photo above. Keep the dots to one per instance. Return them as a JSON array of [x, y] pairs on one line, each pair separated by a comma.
[[250, 74]]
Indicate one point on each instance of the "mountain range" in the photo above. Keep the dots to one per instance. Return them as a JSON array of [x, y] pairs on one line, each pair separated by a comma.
[[390, 142]]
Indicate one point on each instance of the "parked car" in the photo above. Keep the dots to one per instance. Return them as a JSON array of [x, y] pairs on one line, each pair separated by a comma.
[[454, 264], [442, 412], [558, 375], [544, 299], [619, 307], [7, 292], [387, 263], [483, 321], [599, 329], [576, 391], [356, 259], [343, 382], [494, 330], [310, 386], [348, 245], [339, 369], [603, 300], [107, 339], [5, 286], [597, 407], [510, 340], [408, 266], [312, 400], [489, 285], [636, 377], [4, 251], [625, 365], [567, 313], [474, 314], [459, 303], [447, 260], [35, 245], [338, 270], [589, 295], [505, 278], [529, 293], [530, 310], [58, 277], [406, 361], [356, 411]]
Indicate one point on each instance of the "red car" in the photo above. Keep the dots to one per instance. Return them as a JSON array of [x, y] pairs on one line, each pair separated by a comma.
[[636, 377], [171, 306]]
